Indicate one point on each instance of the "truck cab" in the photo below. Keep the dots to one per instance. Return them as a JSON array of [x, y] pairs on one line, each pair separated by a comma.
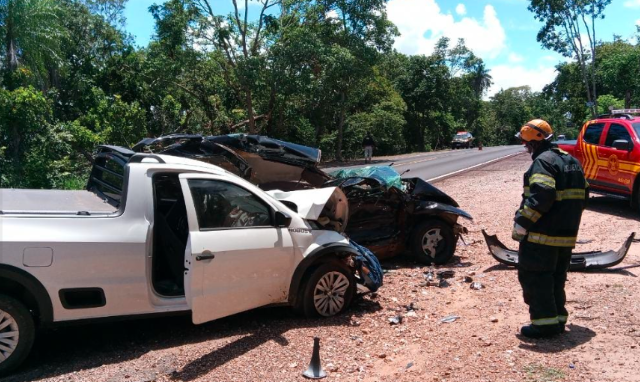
[[609, 150]]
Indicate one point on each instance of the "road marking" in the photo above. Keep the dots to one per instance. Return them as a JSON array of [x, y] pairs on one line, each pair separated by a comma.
[[472, 167], [430, 158]]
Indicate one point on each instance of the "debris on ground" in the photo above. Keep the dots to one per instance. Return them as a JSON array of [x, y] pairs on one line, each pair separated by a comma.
[[449, 319], [446, 274], [395, 320], [476, 285]]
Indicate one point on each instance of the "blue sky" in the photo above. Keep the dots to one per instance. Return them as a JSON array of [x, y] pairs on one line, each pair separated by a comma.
[[502, 32]]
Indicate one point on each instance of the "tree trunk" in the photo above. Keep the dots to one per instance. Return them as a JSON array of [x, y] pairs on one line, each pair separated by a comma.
[[585, 80], [340, 126], [252, 122], [627, 99]]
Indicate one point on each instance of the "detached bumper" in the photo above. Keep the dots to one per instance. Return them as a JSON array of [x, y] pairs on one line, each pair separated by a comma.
[[579, 260]]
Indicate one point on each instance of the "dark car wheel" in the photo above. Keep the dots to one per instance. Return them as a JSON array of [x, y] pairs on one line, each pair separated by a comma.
[[433, 242], [328, 291], [17, 332]]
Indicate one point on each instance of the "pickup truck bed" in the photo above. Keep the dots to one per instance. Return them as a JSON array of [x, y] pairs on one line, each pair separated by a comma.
[[16, 201]]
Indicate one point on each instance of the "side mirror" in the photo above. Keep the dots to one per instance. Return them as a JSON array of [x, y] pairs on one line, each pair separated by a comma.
[[622, 144], [282, 219]]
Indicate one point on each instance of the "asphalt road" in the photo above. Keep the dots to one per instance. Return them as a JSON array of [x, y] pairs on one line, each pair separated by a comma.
[[435, 165]]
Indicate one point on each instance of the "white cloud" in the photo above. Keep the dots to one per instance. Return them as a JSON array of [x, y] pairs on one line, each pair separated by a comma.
[[461, 9], [416, 19], [632, 3], [332, 15], [638, 22], [252, 3], [508, 76], [514, 58]]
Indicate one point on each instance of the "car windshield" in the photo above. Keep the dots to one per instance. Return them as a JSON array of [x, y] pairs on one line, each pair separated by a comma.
[[463, 135], [387, 175], [636, 127]]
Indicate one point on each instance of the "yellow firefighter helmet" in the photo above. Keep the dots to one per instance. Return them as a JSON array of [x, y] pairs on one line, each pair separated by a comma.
[[535, 130]]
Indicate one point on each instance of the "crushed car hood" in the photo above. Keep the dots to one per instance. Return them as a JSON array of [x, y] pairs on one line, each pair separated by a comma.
[[327, 206], [579, 260], [266, 162]]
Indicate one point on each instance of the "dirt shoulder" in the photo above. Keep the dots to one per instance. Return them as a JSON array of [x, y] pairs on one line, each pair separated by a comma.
[[481, 345]]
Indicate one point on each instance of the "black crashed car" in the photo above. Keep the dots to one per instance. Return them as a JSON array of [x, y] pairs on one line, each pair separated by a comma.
[[388, 214]]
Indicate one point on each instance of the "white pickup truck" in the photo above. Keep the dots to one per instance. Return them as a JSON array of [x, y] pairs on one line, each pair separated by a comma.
[[155, 234]]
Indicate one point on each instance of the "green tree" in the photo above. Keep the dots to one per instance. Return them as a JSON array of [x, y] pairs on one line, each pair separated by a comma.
[[31, 32], [512, 109], [566, 22], [619, 70]]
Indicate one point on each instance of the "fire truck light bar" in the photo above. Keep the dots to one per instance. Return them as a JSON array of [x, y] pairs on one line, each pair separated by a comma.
[[626, 111]]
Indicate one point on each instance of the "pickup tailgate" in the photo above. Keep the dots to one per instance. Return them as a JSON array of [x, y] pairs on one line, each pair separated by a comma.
[[18, 201], [568, 146]]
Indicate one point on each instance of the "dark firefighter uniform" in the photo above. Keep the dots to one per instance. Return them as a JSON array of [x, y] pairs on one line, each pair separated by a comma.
[[555, 193]]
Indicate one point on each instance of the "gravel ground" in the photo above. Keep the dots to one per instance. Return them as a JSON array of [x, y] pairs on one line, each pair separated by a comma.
[[481, 345]]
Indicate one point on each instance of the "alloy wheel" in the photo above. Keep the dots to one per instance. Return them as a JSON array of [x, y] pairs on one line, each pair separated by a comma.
[[430, 242], [9, 335], [329, 293]]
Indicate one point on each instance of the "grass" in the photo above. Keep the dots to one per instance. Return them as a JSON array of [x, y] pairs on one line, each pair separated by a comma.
[[540, 373]]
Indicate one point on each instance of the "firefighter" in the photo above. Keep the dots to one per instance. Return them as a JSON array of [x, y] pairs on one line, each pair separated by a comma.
[[546, 225]]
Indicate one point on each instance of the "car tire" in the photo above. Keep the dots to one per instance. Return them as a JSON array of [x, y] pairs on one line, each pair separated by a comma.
[[14, 348], [328, 291], [433, 242]]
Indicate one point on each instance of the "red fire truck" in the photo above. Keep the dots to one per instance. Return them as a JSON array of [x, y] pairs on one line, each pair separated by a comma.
[[609, 150]]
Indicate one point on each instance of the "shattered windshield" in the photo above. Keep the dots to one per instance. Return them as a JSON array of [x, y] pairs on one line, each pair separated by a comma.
[[386, 175]]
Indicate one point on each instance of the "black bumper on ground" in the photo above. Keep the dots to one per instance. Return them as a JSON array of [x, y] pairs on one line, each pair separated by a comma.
[[579, 260]]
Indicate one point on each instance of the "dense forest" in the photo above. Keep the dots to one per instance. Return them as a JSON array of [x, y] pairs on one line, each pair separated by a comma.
[[320, 73]]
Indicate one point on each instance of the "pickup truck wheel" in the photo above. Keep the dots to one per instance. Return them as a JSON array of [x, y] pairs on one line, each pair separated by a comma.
[[328, 291], [17, 332], [433, 242]]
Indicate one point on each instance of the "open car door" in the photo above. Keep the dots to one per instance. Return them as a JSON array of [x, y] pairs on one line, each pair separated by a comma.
[[236, 258]]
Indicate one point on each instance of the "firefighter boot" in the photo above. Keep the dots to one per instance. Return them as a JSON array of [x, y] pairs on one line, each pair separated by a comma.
[[540, 331]]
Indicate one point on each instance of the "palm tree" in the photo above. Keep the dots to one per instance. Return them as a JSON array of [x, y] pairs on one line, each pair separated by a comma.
[[31, 32], [480, 79]]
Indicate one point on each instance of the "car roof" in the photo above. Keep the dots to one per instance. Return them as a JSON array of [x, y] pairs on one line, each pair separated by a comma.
[[170, 159]]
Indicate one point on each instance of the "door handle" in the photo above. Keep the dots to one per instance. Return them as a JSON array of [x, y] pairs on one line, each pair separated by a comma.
[[206, 255]]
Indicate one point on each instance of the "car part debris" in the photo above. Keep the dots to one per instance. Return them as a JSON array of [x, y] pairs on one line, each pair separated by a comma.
[[449, 319], [395, 320], [368, 268], [431, 279], [410, 307], [579, 260], [476, 285], [314, 371], [447, 274]]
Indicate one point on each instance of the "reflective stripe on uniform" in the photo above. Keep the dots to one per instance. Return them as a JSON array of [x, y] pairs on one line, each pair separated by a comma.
[[562, 319], [553, 241], [542, 179], [545, 321], [569, 194], [530, 214]]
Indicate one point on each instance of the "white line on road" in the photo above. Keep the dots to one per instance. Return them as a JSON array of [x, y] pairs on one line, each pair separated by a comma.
[[472, 167]]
